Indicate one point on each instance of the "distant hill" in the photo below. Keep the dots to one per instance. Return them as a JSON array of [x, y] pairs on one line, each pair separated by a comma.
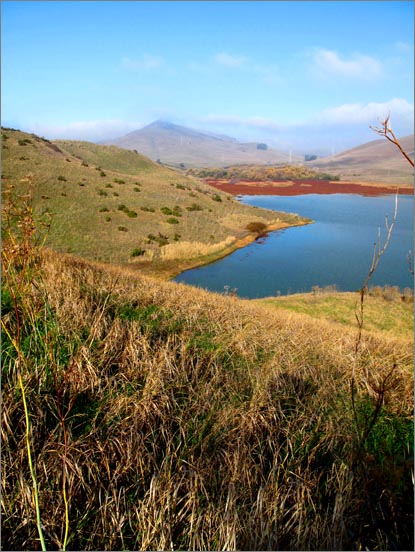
[[376, 161], [181, 146]]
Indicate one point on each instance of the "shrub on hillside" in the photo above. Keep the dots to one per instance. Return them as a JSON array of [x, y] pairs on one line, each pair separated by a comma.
[[137, 252], [257, 227], [194, 207], [166, 211]]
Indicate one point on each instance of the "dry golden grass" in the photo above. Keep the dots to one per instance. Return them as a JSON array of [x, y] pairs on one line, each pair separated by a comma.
[[175, 418], [189, 250]]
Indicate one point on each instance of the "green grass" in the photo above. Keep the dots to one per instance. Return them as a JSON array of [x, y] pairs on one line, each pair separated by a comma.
[[392, 315]]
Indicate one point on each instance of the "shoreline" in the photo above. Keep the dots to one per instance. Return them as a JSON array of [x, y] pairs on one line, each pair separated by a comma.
[[169, 270]]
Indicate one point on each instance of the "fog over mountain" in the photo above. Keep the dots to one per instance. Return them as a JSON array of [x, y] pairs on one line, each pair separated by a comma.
[[182, 146]]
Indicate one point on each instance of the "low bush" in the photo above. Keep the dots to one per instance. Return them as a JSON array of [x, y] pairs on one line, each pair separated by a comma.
[[137, 252], [194, 207], [257, 227]]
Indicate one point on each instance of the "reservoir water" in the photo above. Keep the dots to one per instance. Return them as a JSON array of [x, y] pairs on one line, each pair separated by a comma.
[[336, 249]]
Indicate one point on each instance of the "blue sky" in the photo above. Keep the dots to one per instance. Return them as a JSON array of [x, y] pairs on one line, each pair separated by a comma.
[[298, 75]]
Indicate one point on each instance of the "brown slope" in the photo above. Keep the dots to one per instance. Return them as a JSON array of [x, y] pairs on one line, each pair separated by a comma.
[[375, 161]]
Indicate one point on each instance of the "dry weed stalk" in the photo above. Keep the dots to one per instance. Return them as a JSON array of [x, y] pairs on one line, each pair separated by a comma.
[[19, 257], [375, 388], [378, 390]]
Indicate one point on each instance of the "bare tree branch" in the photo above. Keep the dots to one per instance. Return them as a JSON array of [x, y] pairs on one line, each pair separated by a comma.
[[386, 131]]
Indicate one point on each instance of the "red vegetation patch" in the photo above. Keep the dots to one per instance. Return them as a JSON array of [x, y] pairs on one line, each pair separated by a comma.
[[301, 187]]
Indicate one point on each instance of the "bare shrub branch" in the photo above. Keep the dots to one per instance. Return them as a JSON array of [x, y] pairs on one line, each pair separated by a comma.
[[386, 131]]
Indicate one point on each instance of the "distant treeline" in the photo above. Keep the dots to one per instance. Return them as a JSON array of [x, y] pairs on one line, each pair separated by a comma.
[[262, 173]]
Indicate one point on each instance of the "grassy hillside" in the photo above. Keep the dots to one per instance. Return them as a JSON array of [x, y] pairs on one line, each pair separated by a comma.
[[163, 417], [117, 206], [375, 161]]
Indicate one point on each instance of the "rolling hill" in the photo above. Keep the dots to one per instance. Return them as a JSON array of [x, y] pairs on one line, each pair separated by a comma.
[[181, 146], [375, 161], [115, 205]]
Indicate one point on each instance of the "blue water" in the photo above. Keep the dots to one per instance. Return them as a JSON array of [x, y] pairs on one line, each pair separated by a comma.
[[336, 249]]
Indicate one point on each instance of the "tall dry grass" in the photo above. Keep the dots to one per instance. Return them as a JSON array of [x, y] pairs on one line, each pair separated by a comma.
[[194, 249], [164, 417]]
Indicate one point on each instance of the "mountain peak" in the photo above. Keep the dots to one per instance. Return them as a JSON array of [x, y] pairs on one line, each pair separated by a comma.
[[162, 124], [184, 146]]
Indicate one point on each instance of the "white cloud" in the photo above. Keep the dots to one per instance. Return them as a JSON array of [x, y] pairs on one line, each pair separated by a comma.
[[357, 113], [328, 63], [91, 131], [248, 122], [228, 60], [344, 126], [268, 73], [145, 61]]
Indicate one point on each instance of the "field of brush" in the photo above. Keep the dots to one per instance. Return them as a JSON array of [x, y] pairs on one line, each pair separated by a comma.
[[163, 417], [139, 414]]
